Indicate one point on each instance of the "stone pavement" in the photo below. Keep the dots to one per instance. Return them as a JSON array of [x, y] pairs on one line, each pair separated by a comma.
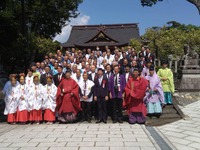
[[185, 134], [82, 136], [181, 135]]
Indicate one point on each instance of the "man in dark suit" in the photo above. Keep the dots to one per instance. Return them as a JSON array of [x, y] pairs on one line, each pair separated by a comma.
[[43, 77], [101, 94], [92, 75], [58, 77]]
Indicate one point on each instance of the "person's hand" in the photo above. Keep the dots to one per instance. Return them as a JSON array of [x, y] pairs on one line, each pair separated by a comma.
[[155, 90], [95, 98], [164, 78], [61, 94], [85, 97], [123, 96], [72, 94], [106, 98], [110, 95]]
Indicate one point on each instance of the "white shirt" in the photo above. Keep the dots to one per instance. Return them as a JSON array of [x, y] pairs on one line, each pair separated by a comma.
[[87, 89]]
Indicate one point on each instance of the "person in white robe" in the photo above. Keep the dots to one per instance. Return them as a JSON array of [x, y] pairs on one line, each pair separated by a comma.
[[29, 77], [22, 112], [78, 78], [35, 100], [11, 97], [8, 83], [49, 103], [86, 87]]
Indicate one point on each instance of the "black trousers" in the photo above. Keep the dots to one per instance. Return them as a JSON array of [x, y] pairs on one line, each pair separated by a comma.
[[86, 110], [102, 108], [117, 108], [109, 106]]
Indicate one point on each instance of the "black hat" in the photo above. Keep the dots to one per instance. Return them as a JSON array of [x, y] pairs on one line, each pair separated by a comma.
[[68, 71], [164, 62], [100, 69], [135, 69], [33, 64], [151, 68], [129, 66]]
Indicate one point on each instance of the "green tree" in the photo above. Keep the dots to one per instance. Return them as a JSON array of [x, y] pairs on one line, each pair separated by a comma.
[[153, 2], [24, 21], [171, 39]]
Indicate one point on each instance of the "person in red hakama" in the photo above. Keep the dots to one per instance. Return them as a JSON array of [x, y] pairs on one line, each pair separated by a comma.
[[22, 111], [35, 100], [135, 92], [49, 104], [11, 96], [67, 99]]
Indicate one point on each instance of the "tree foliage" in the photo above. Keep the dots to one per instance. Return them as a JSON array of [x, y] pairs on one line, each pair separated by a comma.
[[25, 22], [172, 38], [153, 2]]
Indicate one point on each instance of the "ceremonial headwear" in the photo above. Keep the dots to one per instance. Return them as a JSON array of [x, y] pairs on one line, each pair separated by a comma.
[[151, 68]]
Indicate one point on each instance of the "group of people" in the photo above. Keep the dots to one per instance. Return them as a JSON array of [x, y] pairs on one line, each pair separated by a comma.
[[77, 85]]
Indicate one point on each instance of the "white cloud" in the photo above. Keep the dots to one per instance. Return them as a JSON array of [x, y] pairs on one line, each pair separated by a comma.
[[64, 35]]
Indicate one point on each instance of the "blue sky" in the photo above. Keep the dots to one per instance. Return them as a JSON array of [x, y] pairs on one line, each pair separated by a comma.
[[131, 11]]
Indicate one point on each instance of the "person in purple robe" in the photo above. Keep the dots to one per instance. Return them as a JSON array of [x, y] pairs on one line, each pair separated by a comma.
[[145, 71], [116, 87], [154, 95]]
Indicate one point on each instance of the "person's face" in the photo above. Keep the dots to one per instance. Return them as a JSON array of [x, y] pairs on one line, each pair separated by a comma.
[[38, 65], [89, 51], [13, 82], [30, 73], [68, 75], [78, 73], [116, 70], [22, 81], [77, 61], [164, 65], [124, 55], [60, 70], [135, 74], [33, 68], [129, 50], [93, 68], [100, 73], [85, 76], [127, 69], [55, 65], [134, 63], [148, 65], [148, 50], [49, 82], [47, 70], [151, 72], [65, 64], [66, 58], [36, 81], [50, 55], [74, 68], [125, 61], [94, 63], [59, 59], [143, 49], [108, 68], [42, 65], [83, 64]]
